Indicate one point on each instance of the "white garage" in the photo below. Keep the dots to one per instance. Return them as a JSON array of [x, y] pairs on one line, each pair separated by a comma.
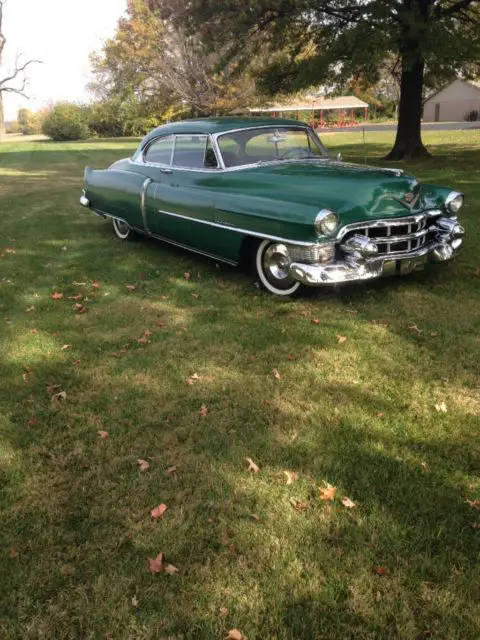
[[453, 102]]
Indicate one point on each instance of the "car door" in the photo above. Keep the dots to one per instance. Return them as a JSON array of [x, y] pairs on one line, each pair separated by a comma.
[[181, 205]]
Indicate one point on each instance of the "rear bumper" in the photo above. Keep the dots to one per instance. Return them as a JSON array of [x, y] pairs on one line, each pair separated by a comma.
[[354, 267]]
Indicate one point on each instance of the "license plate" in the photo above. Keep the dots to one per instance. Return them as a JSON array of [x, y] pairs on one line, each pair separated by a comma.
[[402, 267]]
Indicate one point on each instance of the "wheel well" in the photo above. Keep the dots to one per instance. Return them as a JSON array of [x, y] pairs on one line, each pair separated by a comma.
[[247, 252]]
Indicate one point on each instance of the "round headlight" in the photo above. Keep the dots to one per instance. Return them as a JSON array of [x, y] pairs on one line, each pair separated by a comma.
[[326, 222], [454, 202]]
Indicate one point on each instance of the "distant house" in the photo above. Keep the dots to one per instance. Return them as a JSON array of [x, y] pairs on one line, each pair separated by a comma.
[[453, 102]]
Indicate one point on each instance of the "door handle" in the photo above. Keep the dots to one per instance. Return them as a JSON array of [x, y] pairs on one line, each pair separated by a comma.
[[163, 170]]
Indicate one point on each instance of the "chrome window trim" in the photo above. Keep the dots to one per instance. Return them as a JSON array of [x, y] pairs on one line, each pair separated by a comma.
[[303, 127], [256, 234], [162, 165], [383, 222]]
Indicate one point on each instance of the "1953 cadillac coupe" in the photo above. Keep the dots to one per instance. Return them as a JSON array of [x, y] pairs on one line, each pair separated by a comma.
[[266, 191]]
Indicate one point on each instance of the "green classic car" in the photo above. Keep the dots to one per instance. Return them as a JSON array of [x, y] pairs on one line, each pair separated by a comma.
[[265, 191]]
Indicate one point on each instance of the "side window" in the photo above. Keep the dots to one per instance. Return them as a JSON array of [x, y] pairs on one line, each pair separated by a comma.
[[190, 151], [211, 161], [160, 151]]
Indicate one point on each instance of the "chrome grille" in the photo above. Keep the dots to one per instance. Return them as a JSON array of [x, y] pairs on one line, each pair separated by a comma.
[[310, 254], [399, 235]]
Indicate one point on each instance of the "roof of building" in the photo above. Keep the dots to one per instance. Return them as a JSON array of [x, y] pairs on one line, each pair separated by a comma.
[[317, 104], [215, 125], [474, 83]]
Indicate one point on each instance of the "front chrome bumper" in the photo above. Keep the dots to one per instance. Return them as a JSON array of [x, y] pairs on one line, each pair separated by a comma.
[[445, 246]]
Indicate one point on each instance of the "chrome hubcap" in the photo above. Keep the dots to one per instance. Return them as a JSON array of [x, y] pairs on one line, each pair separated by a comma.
[[276, 262], [122, 226]]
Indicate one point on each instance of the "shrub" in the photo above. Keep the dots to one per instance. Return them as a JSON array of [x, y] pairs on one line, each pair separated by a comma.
[[472, 116], [66, 121]]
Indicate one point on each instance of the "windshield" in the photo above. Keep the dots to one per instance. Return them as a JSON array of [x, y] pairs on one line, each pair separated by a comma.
[[268, 144]]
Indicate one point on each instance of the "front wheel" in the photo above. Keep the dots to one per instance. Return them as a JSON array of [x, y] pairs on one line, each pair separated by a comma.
[[272, 264], [123, 230]]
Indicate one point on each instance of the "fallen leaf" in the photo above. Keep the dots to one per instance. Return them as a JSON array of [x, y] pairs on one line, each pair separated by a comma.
[[223, 611], [191, 379], [380, 571], [434, 334], [315, 320], [414, 329], [196, 296], [170, 569], [155, 565], [477, 272], [29, 309], [327, 493], [143, 465], [255, 517], [76, 297], [203, 411], [290, 357], [252, 358], [58, 397], [135, 602], [341, 339], [96, 284], [13, 553], [348, 503], [378, 597], [34, 330], [159, 323], [143, 340], [131, 287], [252, 466], [171, 470], [276, 374], [65, 347], [476, 525], [31, 422], [80, 308], [158, 511], [56, 295], [235, 634], [300, 505], [186, 275], [291, 476], [380, 414], [103, 434], [475, 504], [118, 354], [441, 407]]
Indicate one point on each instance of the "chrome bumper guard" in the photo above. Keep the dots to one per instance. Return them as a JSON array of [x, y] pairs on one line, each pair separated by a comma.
[[445, 243]]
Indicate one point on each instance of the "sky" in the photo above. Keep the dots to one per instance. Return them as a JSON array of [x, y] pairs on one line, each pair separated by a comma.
[[61, 33]]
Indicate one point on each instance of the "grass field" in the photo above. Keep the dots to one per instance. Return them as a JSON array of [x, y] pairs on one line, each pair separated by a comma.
[[389, 417]]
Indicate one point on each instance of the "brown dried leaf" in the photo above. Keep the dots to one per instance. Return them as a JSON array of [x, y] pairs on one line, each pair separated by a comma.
[[328, 493], [300, 505], [252, 466], [56, 295], [13, 553], [158, 511], [58, 397], [155, 565], [135, 602], [223, 611], [143, 340], [159, 323], [477, 272], [79, 308], [65, 347], [475, 504], [131, 287], [235, 634], [193, 378], [103, 434], [29, 309], [292, 476], [171, 470], [341, 339], [276, 374], [196, 296], [380, 571], [119, 354], [348, 503], [203, 411], [76, 297], [441, 407], [170, 569], [414, 329], [186, 275], [31, 422], [143, 465], [315, 320], [96, 284]]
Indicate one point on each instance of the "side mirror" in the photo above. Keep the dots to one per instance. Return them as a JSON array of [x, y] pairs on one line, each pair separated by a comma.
[[339, 157]]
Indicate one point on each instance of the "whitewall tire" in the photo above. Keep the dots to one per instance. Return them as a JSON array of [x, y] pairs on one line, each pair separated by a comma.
[[122, 230], [272, 265]]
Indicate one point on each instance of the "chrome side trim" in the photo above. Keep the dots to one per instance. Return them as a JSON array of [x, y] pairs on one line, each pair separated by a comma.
[[143, 203], [301, 243]]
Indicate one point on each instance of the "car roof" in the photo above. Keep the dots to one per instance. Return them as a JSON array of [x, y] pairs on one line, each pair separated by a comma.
[[216, 125]]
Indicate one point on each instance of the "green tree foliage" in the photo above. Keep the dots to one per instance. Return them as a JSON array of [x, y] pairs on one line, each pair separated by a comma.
[[152, 66], [67, 121], [311, 41], [29, 122]]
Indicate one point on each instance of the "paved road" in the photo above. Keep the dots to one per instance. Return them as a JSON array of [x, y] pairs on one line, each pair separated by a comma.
[[427, 126]]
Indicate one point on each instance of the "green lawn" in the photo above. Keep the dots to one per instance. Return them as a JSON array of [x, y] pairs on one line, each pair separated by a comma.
[[271, 559]]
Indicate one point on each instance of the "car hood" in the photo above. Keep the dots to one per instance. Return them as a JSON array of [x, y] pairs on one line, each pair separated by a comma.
[[355, 192]]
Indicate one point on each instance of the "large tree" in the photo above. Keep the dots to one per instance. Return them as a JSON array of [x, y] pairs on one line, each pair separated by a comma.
[[312, 41], [14, 80]]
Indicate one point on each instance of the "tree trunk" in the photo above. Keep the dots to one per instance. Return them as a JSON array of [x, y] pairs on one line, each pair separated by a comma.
[[2, 117], [408, 143]]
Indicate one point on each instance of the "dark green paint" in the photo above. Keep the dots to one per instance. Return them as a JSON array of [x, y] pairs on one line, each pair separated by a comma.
[[279, 200]]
